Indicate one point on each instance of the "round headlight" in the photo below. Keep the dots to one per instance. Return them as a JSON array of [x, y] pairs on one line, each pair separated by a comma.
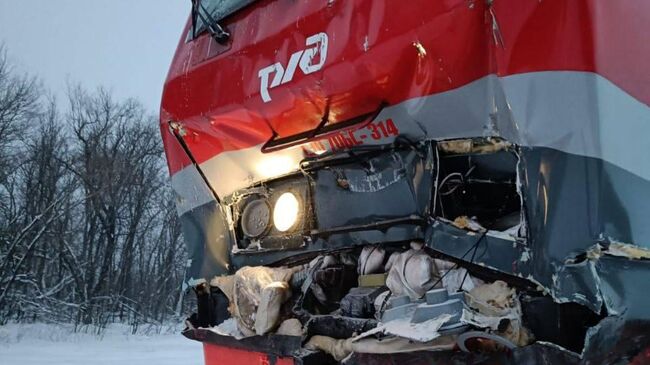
[[255, 218], [285, 212]]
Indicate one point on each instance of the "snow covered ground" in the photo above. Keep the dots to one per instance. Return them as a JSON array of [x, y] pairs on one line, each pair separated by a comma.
[[41, 344]]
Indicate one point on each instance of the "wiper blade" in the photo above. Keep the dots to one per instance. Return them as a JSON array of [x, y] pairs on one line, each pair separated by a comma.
[[217, 32]]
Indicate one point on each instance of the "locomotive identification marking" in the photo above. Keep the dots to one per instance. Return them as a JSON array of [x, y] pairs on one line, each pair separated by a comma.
[[382, 130]]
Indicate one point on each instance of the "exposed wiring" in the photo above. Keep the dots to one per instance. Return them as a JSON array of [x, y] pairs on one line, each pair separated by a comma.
[[447, 179], [456, 265], [435, 185], [438, 188], [471, 261], [382, 307], [365, 263]]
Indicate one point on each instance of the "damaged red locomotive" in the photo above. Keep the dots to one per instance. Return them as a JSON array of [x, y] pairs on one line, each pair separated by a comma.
[[453, 181]]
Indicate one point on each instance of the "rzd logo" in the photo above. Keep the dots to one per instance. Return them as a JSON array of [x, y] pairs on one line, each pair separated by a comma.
[[304, 59]]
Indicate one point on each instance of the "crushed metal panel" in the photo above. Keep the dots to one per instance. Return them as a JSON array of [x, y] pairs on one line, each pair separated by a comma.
[[624, 286], [389, 186], [578, 283], [503, 254]]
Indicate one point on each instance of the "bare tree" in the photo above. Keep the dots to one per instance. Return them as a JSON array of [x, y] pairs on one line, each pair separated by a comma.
[[41, 189], [88, 230], [19, 96]]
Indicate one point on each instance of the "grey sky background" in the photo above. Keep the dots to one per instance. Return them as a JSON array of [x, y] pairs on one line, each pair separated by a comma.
[[123, 45]]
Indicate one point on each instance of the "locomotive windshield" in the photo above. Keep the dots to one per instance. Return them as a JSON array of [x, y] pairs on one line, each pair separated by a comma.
[[213, 11]]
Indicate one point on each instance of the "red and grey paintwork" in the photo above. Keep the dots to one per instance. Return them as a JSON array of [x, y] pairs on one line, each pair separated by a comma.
[[570, 76], [567, 81]]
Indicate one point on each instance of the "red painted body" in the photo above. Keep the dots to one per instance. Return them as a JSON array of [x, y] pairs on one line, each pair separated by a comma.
[[221, 355], [214, 90]]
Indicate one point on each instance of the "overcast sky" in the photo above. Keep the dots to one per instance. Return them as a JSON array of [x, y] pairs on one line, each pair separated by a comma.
[[124, 45]]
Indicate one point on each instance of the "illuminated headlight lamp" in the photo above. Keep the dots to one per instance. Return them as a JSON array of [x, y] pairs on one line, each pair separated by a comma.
[[285, 212]]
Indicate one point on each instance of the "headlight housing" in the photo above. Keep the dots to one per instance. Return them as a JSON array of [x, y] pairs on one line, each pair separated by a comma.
[[255, 218], [286, 212], [272, 216]]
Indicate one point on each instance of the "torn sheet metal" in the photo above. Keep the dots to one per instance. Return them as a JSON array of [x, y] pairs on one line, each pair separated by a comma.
[[422, 332], [626, 250]]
